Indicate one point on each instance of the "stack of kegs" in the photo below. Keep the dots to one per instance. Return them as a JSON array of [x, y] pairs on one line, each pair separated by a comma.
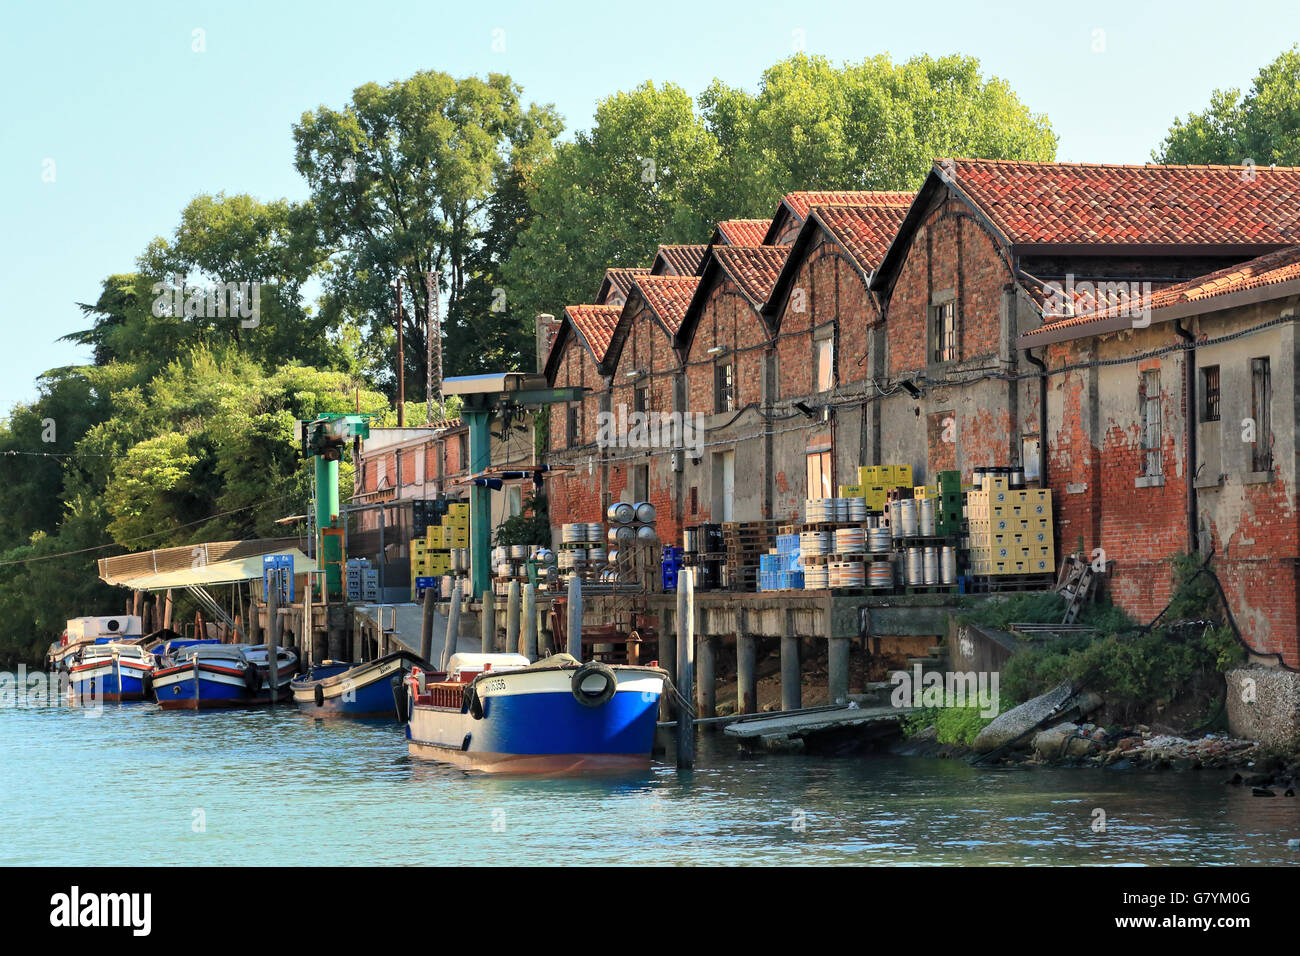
[[846, 574], [816, 577], [819, 510], [705, 552], [850, 540]]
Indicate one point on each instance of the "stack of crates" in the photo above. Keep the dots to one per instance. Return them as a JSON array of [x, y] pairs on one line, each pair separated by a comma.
[[362, 581], [781, 568], [948, 508], [1010, 529], [876, 481]]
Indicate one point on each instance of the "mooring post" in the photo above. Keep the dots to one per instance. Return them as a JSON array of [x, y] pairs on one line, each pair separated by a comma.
[[746, 674], [575, 616], [706, 692], [685, 668], [426, 625], [528, 641], [837, 665], [487, 620], [513, 632], [453, 628], [791, 695], [167, 610], [273, 632]]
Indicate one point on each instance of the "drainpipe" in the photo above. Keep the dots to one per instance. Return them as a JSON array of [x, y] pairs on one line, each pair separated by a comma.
[[1189, 406], [1042, 415]]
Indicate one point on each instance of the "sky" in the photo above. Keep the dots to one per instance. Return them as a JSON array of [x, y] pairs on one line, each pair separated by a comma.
[[115, 115]]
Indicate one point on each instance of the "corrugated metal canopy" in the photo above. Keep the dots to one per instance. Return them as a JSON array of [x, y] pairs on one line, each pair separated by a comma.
[[223, 562]]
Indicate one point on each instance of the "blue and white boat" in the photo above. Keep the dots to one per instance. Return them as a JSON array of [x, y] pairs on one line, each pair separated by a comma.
[[109, 671], [203, 676], [342, 689], [499, 714]]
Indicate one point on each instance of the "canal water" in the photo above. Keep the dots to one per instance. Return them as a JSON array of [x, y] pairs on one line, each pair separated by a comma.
[[142, 786]]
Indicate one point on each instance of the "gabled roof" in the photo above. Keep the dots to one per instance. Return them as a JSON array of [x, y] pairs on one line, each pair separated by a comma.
[[797, 204], [742, 232], [1274, 275], [864, 233], [752, 269], [620, 280], [667, 298], [681, 260], [1094, 209], [1090, 203], [593, 325]]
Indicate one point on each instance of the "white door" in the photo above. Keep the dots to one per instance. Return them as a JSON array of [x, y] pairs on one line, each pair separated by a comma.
[[728, 484]]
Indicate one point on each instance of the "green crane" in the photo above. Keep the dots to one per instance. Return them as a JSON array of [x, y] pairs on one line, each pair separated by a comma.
[[324, 438]]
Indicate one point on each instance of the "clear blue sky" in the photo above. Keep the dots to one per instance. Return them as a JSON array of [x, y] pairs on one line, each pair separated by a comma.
[[137, 123]]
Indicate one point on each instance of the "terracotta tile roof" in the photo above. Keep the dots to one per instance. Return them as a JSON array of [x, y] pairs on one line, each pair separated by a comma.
[[596, 324], [864, 231], [1271, 269], [669, 296], [1101, 204], [754, 269], [801, 202], [682, 260], [744, 232], [620, 279]]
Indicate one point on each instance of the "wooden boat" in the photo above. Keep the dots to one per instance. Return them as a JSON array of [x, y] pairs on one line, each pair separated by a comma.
[[110, 671], [343, 689], [204, 676], [499, 714]]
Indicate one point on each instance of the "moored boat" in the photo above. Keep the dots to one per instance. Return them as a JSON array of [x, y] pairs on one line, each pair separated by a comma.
[[110, 671], [499, 714], [343, 689], [204, 676]]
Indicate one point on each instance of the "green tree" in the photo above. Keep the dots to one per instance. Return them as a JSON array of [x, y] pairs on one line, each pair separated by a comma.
[[655, 170], [401, 179], [1262, 127], [638, 178]]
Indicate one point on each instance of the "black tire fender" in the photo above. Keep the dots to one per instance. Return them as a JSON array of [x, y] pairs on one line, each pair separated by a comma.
[[475, 703], [146, 683], [585, 673], [252, 679], [319, 694]]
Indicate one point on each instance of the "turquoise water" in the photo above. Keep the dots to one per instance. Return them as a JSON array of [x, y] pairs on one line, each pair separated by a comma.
[[142, 786]]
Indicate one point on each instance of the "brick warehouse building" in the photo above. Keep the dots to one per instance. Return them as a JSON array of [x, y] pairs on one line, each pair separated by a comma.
[[914, 328]]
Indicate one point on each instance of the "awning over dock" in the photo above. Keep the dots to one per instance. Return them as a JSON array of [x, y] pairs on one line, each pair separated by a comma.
[[199, 565]]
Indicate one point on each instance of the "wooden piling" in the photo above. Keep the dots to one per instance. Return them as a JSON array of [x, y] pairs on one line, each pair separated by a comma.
[[514, 633], [488, 623], [453, 628], [273, 633], [837, 665], [746, 674], [706, 692], [685, 667], [791, 693], [167, 610], [426, 626], [528, 641], [575, 617]]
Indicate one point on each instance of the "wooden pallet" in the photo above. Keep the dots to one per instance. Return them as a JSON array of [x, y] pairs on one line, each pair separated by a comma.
[[994, 583]]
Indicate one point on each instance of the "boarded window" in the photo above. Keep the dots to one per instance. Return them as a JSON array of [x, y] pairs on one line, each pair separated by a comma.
[[1210, 393], [641, 482], [943, 332], [641, 399], [571, 427], [1261, 403], [825, 364], [819, 474], [1149, 402]]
